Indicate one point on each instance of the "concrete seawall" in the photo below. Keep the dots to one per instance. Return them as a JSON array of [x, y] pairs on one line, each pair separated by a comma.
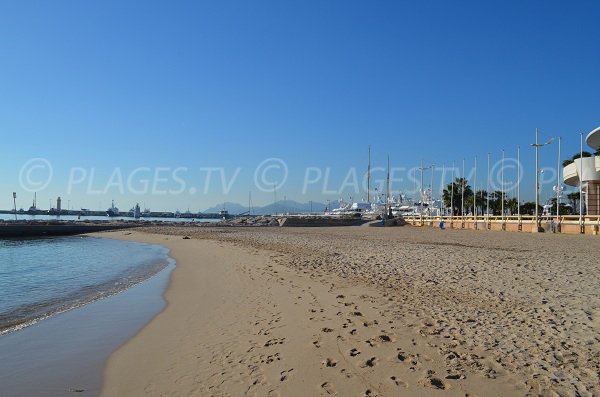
[[319, 221], [565, 225], [17, 230]]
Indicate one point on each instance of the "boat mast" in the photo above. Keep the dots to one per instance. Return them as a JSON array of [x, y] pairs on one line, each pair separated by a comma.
[[387, 188]]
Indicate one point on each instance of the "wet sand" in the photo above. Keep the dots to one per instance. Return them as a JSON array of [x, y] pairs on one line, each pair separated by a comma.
[[65, 354], [368, 312]]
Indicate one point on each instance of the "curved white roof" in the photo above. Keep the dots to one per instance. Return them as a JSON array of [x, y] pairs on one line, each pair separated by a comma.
[[593, 139]]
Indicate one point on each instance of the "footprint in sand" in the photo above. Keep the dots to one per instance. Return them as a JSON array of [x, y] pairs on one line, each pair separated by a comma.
[[398, 382], [370, 363], [284, 374], [385, 338], [328, 387], [434, 383]]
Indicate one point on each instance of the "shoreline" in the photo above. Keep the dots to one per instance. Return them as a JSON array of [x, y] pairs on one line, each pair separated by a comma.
[[244, 317], [66, 352], [74, 301]]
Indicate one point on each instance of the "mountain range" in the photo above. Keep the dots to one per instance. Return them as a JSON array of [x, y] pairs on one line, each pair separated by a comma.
[[282, 206]]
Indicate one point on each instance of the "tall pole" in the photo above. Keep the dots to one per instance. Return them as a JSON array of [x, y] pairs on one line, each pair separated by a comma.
[[519, 183], [432, 170], [421, 192], [442, 189], [537, 221], [558, 189], [487, 210], [462, 199], [502, 173], [475, 193], [537, 181], [415, 180], [452, 193], [369, 178], [580, 179], [387, 189]]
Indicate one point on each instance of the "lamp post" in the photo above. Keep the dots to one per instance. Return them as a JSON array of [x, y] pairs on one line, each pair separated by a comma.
[[537, 183]]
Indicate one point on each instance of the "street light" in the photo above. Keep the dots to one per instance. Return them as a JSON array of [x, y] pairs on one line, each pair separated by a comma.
[[537, 183]]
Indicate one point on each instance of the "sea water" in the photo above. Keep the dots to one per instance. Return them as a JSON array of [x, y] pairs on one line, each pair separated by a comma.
[[48, 350], [42, 277]]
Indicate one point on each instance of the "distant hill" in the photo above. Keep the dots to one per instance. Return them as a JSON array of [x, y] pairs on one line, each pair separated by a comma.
[[282, 206], [233, 208]]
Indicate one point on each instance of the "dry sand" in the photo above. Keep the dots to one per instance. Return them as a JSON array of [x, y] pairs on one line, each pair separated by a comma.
[[368, 312]]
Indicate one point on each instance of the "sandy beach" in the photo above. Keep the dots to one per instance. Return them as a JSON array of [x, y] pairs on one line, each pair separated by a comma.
[[361, 311]]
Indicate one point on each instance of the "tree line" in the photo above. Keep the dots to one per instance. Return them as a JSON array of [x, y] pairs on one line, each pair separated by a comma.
[[477, 201]]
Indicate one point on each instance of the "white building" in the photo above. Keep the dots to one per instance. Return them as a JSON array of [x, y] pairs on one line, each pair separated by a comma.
[[586, 171]]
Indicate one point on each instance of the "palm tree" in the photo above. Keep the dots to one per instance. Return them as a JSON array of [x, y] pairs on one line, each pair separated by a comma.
[[496, 202], [528, 208], [562, 208], [512, 205], [459, 183], [481, 200], [573, 199]]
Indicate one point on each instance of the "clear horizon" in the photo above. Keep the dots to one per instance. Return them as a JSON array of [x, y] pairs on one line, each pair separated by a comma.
[[190, 105]]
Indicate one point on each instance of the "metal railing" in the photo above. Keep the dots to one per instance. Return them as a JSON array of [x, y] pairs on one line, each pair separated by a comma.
[[586, 223]]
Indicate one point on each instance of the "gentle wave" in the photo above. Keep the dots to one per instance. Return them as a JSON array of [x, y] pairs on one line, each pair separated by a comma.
[[40, 278]]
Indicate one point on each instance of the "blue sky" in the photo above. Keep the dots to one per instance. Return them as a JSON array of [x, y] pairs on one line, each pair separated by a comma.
[[119, 95]]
